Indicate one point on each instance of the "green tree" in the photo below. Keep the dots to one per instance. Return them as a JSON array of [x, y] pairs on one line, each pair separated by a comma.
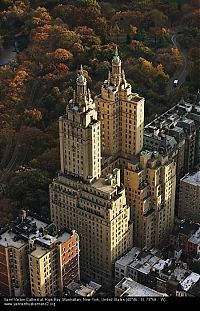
[[30, 190]]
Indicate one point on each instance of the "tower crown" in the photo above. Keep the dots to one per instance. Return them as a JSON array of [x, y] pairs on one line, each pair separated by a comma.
[[81, 97], [81, 79], [116, 58]]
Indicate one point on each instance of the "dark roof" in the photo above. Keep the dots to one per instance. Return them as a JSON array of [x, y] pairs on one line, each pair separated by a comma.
[[195, 289], [186, 228]]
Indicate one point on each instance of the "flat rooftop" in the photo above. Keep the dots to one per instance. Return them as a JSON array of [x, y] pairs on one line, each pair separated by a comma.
[[160, 265], [63, 237], [147, 266], [10, 239], [129, 257], [32, 228], [192, 179], [180, 273], [195, 238], [186, 228], [190, 281], [19, 232], [140, 261], [103, 186], [80, 289], [39, 251], [46, 240], [134, 289], [136, 98], [175, 116]]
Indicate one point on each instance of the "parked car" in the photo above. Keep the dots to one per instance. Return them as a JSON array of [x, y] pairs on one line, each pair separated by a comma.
[[175, 83]]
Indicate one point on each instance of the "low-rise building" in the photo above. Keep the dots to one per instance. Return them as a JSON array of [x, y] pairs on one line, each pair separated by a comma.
[[151, 269], [75, 289], [36, 260], [190, 286], [129, 288], [193, 244], [180, 235]]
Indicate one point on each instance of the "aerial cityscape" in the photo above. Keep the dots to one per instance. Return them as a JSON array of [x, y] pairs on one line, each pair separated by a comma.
[[99, 151]]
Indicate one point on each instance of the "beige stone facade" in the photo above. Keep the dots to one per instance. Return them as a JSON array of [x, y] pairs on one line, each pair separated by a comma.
[[189, 200], [79, 198], [89, 196], [35, 263], [121, 113], [150, 187], [80, 135], [100, 215], [149, 177]]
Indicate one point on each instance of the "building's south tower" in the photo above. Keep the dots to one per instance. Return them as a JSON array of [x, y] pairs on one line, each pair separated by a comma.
[[80, 135]]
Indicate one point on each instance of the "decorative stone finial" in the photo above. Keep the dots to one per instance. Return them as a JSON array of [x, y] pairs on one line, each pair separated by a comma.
[[116, 51], [81, 70]]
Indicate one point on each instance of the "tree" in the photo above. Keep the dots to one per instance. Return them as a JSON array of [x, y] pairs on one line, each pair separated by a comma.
[[30, 189], [140, 50], [41, 17], [32, 117], [8, 211], [17, 86], [1, 42], [91, 5], [177, 55], [161, 73], [49, 38], [32, 142], [6, 76], [59, 56], [133, 29], [102, 69], [48, 161]]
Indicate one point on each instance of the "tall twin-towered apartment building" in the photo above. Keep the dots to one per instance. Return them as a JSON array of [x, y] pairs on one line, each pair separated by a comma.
[[103, 168], [35, 259], [80, 198]]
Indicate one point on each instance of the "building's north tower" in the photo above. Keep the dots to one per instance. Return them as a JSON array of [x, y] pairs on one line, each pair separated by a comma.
[[121, 113]]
